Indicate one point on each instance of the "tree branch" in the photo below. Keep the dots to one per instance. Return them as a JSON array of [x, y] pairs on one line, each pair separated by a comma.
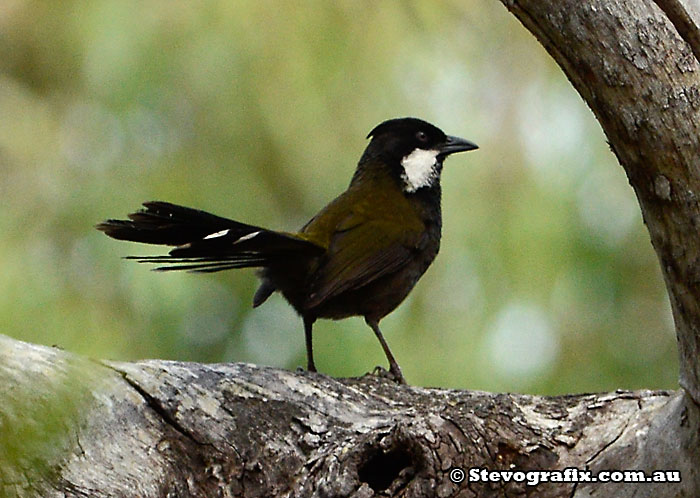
[[685, 16], [160, 428], [642, 82]]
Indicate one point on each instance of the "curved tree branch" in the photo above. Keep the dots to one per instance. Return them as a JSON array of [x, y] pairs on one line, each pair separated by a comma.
[[641, 80], [685, 16]]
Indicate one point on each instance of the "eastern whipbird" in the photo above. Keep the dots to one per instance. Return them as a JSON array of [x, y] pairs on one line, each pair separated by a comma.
[[359, 256]]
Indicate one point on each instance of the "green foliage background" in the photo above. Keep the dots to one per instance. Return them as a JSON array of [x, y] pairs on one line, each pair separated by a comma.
[[257, 110]]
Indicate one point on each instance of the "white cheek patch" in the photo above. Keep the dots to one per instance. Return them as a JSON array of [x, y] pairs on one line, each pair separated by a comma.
[[419, 169]]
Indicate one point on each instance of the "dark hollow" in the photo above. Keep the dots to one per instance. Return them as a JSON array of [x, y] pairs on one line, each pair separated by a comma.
[[381, 469]]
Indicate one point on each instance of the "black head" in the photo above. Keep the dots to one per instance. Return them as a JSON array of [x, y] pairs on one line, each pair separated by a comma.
[[414, 149]]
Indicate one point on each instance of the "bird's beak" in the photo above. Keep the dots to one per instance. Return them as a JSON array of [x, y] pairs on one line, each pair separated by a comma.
[[456, 144]]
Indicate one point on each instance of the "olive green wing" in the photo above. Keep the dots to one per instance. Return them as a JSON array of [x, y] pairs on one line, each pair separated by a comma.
[[360, 252]]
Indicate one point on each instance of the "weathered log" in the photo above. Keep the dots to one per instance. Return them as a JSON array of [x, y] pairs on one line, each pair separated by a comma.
[[161, 428]]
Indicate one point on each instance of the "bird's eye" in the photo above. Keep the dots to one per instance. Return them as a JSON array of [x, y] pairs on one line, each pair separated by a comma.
[[421, 136]]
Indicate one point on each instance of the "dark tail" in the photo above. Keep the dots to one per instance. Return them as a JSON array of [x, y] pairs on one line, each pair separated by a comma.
[[205, 242]]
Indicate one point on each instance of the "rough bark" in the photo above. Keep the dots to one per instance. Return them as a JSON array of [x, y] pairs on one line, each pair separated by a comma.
[[641, 79], [74, 427], [685, 16], [159, 428]]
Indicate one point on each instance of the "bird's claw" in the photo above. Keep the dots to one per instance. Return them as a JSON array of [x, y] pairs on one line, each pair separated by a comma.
[[392, 375]]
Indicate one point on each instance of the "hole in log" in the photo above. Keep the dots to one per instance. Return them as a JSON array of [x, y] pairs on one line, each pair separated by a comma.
[[381, 469]]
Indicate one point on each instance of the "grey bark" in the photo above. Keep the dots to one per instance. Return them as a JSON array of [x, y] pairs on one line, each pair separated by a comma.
[[641, 80], [70, 426], [159, 428]]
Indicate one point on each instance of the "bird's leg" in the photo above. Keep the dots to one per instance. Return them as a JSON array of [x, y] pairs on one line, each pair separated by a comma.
[[308, 325], [393, 365]]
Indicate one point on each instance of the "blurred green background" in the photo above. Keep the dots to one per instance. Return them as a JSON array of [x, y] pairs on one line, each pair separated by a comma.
[[257, 110]]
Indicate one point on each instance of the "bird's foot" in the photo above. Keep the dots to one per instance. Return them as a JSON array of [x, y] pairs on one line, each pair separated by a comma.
[[301, 369], [392, 375]]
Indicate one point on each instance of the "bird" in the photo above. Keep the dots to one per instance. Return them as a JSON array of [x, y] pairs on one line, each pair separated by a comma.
[[360, 255]]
